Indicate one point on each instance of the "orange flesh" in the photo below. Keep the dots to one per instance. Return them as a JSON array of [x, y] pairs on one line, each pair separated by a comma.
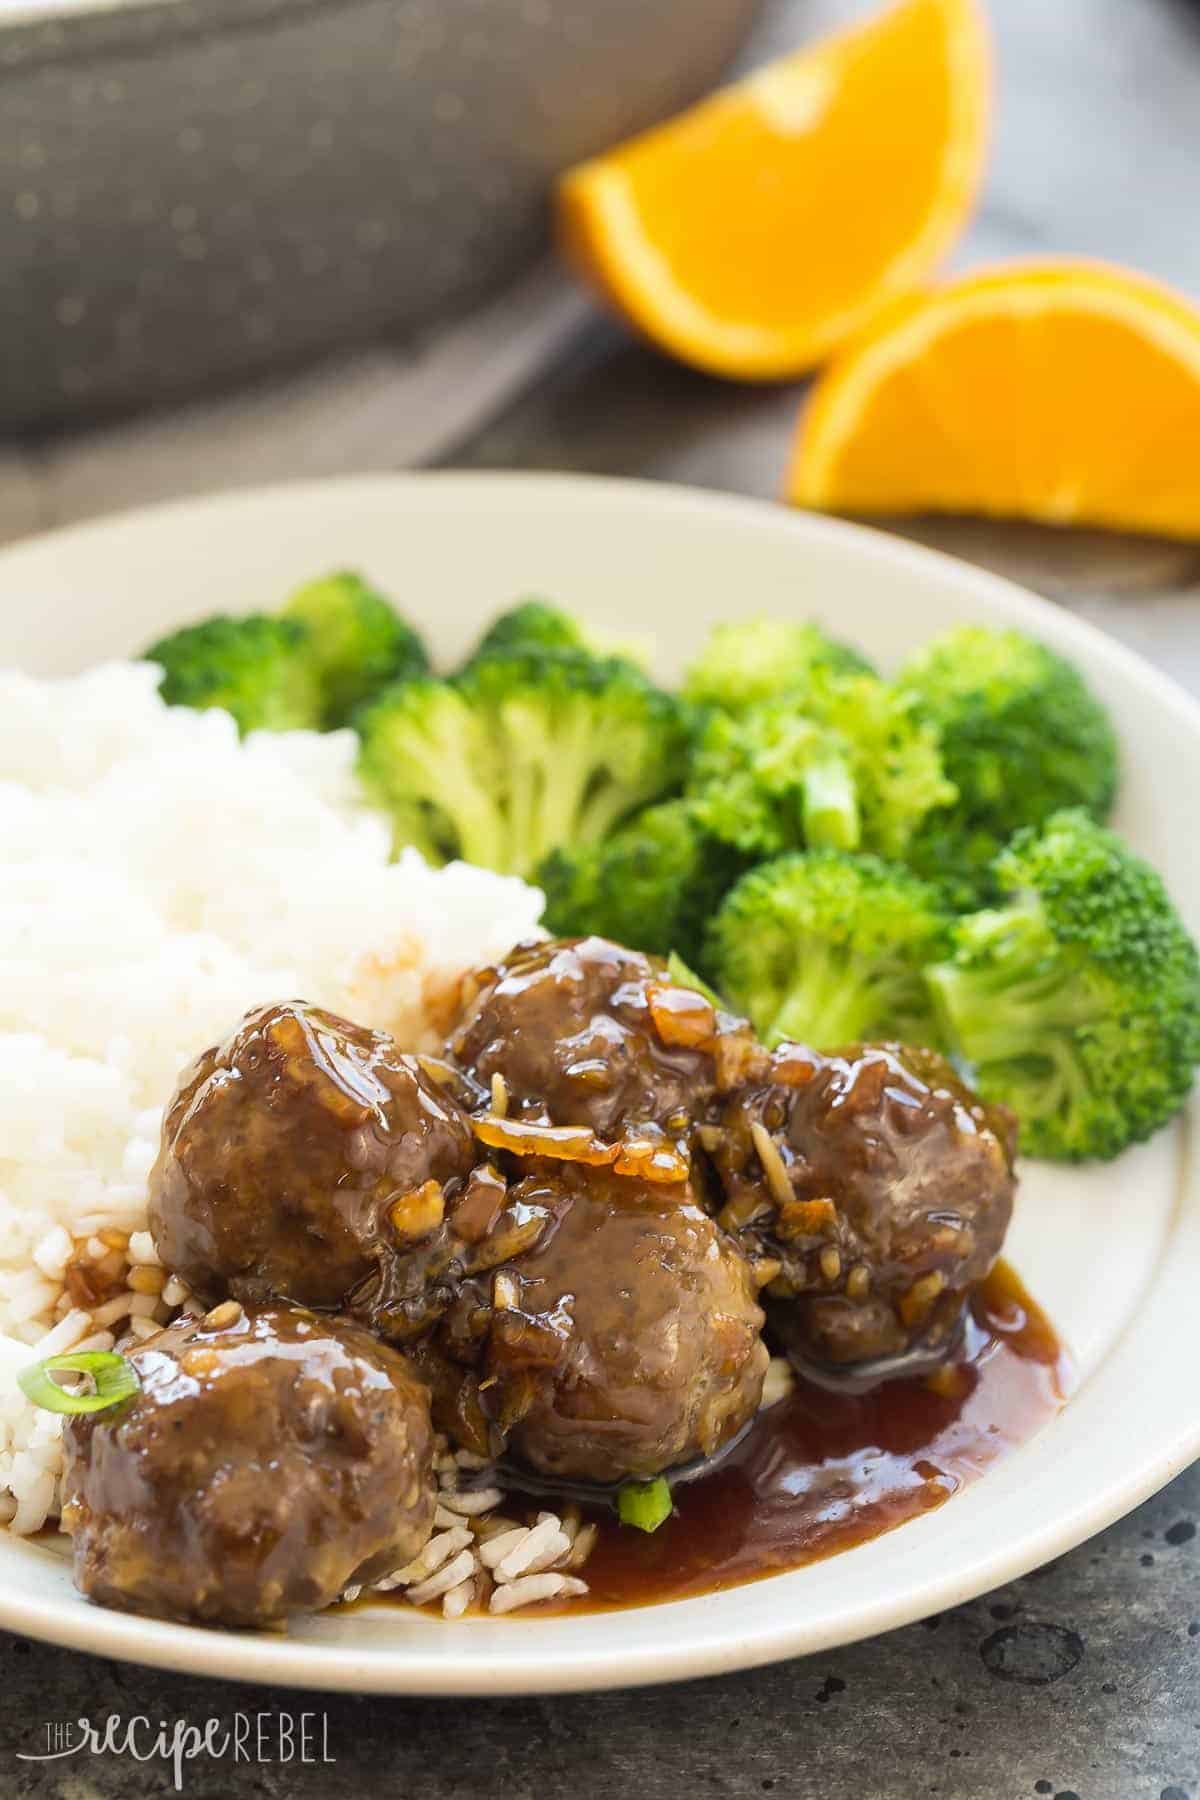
[[1068, 393], [756, 231]]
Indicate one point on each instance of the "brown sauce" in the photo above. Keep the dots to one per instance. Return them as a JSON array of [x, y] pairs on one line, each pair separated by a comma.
[[821, 1471]]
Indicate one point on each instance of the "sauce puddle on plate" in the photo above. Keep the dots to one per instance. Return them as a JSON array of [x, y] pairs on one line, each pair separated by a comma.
[[822, 1471]]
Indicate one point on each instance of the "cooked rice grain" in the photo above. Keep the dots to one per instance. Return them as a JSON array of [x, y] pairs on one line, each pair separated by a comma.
[[532, 1588]]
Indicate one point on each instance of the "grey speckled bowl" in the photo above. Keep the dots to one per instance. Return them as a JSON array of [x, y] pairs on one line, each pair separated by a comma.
[[192, 189]]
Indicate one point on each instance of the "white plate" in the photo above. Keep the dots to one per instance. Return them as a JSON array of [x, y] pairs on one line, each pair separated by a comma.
[[1112, 1253]]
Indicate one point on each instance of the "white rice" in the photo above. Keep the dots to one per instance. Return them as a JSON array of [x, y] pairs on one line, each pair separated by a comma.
[[476, 1558], [157, 879]]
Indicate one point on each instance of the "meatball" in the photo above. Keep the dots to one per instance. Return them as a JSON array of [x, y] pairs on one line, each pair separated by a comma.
[[307, 1157], [876, 1188], [585, 1033], [268, 1459], [624, 1341]]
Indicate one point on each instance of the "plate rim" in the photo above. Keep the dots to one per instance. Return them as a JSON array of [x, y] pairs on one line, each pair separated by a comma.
[[270, 1659], [873, 540]]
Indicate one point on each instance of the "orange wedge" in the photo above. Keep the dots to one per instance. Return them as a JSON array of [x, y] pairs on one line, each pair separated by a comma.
[[756, 232], [1066, 392]]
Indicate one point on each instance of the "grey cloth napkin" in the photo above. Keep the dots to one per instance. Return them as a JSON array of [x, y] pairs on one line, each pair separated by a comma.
[[386, 407]]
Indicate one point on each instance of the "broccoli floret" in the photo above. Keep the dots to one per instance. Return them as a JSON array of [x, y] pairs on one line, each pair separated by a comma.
[[957, 858], [520, 755], [257, 668], [426, 759], [534, 625], [653, 885], [772, 780], [1077, 1002], [1022, 737], [829, 949], [357, 640], [849, 765], [531, 625], [334, 642], [744, 664], [896, 757]]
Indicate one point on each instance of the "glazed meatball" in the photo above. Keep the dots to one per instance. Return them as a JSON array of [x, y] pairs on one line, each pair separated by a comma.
[[624, 1341], [307, 1157], [586, 1033], [875, 1188], [268, 1459]]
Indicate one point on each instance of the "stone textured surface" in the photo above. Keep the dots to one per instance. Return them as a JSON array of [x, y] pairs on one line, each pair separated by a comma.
[[1081, 1682]]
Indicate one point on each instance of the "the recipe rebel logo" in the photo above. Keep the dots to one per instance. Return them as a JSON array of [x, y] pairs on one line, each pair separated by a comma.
[[253, 1737]]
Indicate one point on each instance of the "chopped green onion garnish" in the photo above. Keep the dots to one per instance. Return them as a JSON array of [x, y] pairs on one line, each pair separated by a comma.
[[679, 973], [113, 1380], [645, 1504]]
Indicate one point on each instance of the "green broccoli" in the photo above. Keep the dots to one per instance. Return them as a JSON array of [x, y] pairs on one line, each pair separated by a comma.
[[533, 625], [257, 668], [530, 625], [1078, 1001], [957, 857], [896, 757], [654, 884], [520, 755], [829, 949], [743, 664], [425, 758], [1022, 737], [772, 780], [357, 640], [849, 764]]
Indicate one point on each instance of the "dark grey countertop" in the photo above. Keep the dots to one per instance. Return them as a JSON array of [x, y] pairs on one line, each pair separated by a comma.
[[1083, 1680]]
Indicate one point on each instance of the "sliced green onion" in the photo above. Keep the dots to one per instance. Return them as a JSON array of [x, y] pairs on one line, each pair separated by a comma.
[[645, 1504], [113, 1380], [681, 976]]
